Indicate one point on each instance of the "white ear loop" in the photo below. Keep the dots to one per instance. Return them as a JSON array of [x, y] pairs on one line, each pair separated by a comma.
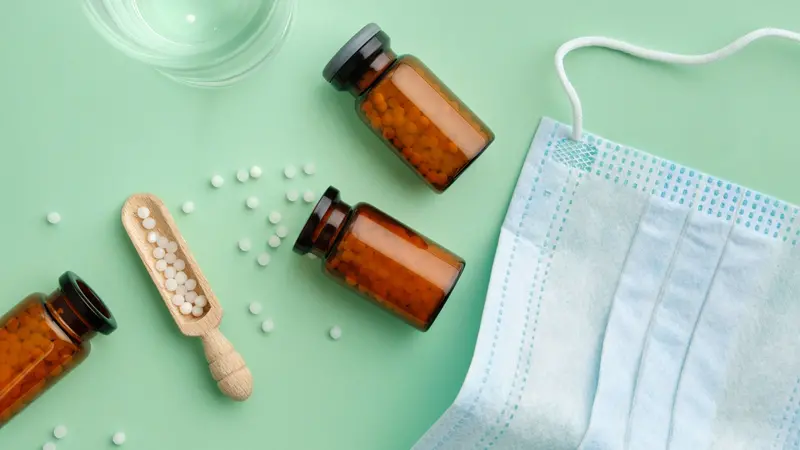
[[655, 55]]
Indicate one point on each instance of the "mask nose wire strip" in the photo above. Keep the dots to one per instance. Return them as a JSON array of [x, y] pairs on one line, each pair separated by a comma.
[[654, 55]]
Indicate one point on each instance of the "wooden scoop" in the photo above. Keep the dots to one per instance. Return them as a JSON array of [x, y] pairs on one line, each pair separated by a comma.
[[226, 365]]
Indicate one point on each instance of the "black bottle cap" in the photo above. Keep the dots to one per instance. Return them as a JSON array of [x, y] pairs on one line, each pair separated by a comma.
[[87, 303], [348, 63], [305, 241]]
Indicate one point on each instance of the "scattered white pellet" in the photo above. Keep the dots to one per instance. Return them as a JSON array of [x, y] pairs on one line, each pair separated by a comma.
[[275, 217], [242, 176], [217, 181], [245, 245], [282, 231], [190, 296], [181, 291], [290, 171], [149, 223], [255, 308], [335, 332], [311, 256], [179, 264], [181, 277], [161, 265], [178, 300], [252, 202], [200, 301], [118, 438], [49, 446], [255, 172], [172, 247], [264, 259], [159, 253], [53, 218], [60, 432], [188, 207], [197, 311], [170, 272], [170, 258], [186, 309], [143, 212], [162, 242], [274, 241], [267, 326], [171, 284], [308, 196], [292, 195], [190, 284], [310, 169], [152, 237]]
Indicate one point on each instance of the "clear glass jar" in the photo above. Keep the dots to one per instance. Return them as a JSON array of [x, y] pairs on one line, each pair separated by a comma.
[[44, 337], [382, 259], [409, 108]]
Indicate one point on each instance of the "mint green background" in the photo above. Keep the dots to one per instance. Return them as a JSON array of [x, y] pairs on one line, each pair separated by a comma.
[[83, 127]]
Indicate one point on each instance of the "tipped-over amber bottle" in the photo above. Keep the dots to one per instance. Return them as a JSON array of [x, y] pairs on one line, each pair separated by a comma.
[[381, 258], [409, 108], [44, 337]]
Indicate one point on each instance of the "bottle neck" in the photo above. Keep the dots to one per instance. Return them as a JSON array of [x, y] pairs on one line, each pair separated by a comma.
[[79, 312], [329, 228], [371, 70], [64, 315]]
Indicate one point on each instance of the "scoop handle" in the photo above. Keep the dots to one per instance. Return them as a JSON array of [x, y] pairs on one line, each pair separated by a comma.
[[227, 366]]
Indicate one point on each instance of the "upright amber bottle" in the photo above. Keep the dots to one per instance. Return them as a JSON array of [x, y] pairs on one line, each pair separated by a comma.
[[44, 337], [409, 108], [381, 258]]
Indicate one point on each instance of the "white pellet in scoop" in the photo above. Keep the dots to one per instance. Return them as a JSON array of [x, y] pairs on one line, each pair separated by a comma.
[[197, 311], [281, 231], [267, 326], [118, 438], [152, 237], [190, 296], [335, 332], [190, 284], [149, 223], [290, 171], [245, 245], [171, 284], [292, 195], [49, 446], [275, 217], [181, 290], [178, 300], [274, 241], [255, 172], [170, 272], [308, 196], [179, 264], [162, 242], [60, 432], [242, 176], [181, 277], [159, 253], [186, 309], [53, 218], [188, 207], [143, 212], [310, 169], [172, 247], [217, 181], [161, 265], [252, 202], [255, 308], [200, 301], [264, 259], [170, 258]]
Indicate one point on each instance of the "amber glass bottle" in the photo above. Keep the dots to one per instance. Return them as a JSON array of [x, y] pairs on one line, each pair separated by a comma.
[[44, 337], [381, 258], [409, 108]]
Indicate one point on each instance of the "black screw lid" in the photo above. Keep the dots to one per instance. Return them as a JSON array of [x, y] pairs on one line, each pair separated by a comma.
[[348, 61], [87, 303], [305, 241]]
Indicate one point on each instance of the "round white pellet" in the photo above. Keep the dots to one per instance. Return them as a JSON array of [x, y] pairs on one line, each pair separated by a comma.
[[311, 256], [149, 223], [190, 284], [264, 259], [159, 253], [53, 218], [181, 277], [170, 272], [188, 207], [186, 309], [60, 432], [255, 172], [309, 196], [172, 247], [118, 438], [242, 176], [152, 237], [267, 326], [290, 171], [335, 332], [255, 308], [161, 265], [49, 446], [178, 300], [217, 181], [162, 242], [252, 202], [282, 231], [170, 258], [190, 296], [200, 301], [171, 284], [274, 241], [143, 212], [181, 290], [179, 264], [197, 311], [245, 245], [292, 195], [275, 217], [310, 169]]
